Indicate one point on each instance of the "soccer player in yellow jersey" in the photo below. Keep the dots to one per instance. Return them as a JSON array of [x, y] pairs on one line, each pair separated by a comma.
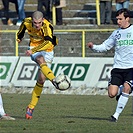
[[41, 47]]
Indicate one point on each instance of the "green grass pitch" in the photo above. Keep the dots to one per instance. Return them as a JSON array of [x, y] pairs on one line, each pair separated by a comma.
[[66, 114]]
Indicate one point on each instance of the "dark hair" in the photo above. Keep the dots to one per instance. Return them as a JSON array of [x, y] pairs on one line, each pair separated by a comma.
[[125, 12]]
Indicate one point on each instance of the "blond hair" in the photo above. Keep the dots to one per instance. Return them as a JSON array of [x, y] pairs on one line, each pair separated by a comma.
[[37, 15]]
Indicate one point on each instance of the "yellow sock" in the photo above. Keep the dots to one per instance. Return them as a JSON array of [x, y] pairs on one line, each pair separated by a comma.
[[47, 71], [35, 95]]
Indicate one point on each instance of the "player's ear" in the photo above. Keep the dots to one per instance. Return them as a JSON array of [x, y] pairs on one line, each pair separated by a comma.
[[128, 19]]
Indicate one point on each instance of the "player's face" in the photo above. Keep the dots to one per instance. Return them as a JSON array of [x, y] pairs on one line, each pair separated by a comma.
[[37, 23], [122, 21]]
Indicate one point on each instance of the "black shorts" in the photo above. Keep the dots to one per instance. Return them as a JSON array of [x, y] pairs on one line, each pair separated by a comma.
[[119, 76]]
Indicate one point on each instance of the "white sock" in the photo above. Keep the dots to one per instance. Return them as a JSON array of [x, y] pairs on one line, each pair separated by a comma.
[[121, 104], [2, 112]]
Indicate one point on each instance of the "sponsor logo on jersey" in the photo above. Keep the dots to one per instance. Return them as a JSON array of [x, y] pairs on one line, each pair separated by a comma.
[[125, 42]]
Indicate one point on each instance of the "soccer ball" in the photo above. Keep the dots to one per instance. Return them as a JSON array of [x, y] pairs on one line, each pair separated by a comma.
[[63, 82]]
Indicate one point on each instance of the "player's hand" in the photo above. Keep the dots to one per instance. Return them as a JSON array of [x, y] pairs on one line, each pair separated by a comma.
[[28, 52], [90, 45], [18, 40]]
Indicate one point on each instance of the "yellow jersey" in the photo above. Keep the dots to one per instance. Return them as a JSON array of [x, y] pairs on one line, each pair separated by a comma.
[[40, 40]]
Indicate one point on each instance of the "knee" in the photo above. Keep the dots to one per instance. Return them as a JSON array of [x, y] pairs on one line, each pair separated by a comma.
[[127, 88], [41, 82], [111, 95], [112, 91]]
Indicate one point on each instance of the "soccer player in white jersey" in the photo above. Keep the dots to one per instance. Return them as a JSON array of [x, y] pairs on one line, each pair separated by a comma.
[[122, 73], [3, 115]]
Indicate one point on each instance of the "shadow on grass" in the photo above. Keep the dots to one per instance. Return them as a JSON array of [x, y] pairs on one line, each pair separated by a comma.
[[92, 118], [18, 117]]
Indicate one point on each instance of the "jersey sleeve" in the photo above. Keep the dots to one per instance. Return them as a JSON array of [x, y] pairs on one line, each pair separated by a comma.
[[106, 45], [21, 31]]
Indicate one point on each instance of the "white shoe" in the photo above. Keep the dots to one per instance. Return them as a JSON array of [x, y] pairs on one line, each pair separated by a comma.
[[6, 117], [18, 23]]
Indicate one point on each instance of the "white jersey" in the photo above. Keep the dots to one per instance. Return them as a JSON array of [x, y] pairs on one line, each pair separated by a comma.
[[122, 40]]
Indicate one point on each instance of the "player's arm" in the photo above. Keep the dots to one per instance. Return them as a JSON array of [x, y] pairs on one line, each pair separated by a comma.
[[21, 32], [105, 46]]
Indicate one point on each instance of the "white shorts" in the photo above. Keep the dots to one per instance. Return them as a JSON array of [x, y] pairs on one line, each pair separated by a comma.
[[48, 56]]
